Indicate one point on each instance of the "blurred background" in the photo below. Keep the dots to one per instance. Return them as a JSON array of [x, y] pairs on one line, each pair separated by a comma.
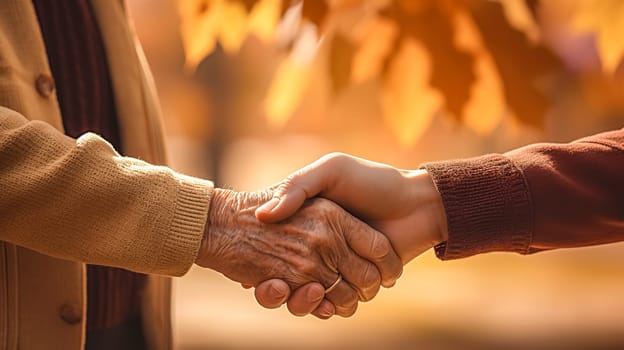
[[253, 90]]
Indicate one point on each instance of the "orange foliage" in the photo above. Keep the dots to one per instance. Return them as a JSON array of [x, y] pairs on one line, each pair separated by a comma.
[[475, 60], [605, 18], [406, 93]]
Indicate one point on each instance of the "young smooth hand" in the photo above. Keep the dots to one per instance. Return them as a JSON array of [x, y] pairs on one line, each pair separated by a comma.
[[402, 204]]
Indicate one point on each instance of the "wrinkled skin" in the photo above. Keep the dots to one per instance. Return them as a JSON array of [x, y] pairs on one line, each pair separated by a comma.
[[402, 204], [314, 245]]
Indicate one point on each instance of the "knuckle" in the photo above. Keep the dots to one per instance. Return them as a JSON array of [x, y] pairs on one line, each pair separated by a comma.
[[313, 241], [307, 268], [318, 242], [370, 277], [323, 247], [288, 183], [282, 187], [333, 157], [348, 311], [380, 247], [397, 272], [348, 300], [331, 214], [393, 270], [324, 206], [344, 296]]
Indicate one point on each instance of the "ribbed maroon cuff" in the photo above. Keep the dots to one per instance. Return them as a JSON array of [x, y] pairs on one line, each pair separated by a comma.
[[488, 206]]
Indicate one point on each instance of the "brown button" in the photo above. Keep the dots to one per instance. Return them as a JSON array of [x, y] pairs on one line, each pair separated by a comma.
[[45, 84], [70, 314]]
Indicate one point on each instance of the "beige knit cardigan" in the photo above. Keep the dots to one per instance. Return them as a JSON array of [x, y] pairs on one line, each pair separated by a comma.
[[65, 202]]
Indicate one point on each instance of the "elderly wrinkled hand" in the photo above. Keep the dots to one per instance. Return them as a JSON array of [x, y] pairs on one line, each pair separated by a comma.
[[403, 204], [318, 244]]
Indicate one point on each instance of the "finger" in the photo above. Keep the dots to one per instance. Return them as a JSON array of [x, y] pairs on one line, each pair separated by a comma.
[[278, 209], [293, 191], [362, 275], [344, 298], [246, 286], [376, 248], [325, 310], [272, 293], [306, 299]]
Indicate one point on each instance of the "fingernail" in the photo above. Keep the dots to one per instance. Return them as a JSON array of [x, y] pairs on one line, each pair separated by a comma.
[[326, 312], [389, 284], [315, 293], [276, 293], [270, 205]]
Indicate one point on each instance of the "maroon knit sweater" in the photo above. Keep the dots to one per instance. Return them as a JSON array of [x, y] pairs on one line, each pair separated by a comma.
[[543, 196], [78, 63]]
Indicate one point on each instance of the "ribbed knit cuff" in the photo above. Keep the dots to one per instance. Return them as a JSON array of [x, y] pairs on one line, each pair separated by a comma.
[[488, 206], [187, 226]]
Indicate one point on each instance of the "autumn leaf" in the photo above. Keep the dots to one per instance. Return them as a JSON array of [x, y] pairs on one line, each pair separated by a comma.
[[263, 19], [476, 59], [486, 106], [520, 63], [378, 40], [605, 18], [233, 26], [204, 23], [429, 22], [249, 4], [292, 78], [341, 55], [286, 91], [407, 101], [315, 11], [520, 16], [199, 28], [348, 4], [532, 6]]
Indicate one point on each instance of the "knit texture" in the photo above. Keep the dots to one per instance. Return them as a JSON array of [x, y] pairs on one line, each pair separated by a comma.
[[80, 200], [488, 206], [78, 62], [539, 197]]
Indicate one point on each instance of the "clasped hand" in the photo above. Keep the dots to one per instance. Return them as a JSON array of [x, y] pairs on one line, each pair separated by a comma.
[[291, 247], [316, 244]]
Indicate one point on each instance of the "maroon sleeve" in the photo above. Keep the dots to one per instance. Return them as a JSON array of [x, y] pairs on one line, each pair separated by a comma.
[[542, 196]]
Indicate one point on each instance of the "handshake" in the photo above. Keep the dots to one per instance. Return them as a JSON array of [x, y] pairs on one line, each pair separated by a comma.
[[326, 237]]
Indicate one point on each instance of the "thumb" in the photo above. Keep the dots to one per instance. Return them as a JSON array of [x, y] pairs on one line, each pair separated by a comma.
[[288, 199], [293, 191]]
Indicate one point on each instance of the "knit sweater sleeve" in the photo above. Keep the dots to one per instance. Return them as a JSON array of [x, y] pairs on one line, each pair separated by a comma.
[[543, 196], [78, 199]]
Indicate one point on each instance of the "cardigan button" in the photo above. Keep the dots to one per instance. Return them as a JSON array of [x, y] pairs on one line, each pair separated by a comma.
[[70, 314], [45, 84]]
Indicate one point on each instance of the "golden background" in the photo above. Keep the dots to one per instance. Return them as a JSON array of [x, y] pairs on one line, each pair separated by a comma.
[[216, 129]]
